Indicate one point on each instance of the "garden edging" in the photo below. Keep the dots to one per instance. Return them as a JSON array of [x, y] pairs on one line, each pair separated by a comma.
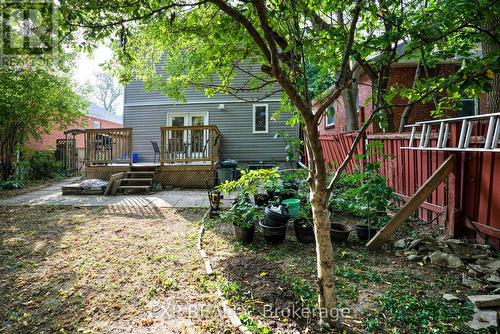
[[229, 312]]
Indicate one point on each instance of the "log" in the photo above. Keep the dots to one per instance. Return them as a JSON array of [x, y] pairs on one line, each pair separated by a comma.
[[413, 203]]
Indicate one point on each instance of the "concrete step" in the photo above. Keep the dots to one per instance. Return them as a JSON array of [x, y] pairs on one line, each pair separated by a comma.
[[144, 168], [136, 182], [140, 175], [133, 189]]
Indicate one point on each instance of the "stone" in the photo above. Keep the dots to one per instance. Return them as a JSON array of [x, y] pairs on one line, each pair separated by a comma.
[[485, 301], [430, 245], [493, 279], [450, 298], [413, 257], [414, 243], [445, 260], [491, 287], [401, 243], [477, 269], [158, 187], [483, 319], [465, 251], [493, 266], [471, 283]]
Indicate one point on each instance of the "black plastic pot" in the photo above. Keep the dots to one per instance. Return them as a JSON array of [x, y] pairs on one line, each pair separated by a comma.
[[365, 233], [304, 234], [262, 199], [273, 218], [273, 234], [244, 235], [339, 232]]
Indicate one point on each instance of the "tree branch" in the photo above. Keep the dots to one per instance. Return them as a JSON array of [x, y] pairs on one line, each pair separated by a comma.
[[238, 17]]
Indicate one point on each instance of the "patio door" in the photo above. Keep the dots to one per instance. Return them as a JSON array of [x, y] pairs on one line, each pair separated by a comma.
[[188, 143]]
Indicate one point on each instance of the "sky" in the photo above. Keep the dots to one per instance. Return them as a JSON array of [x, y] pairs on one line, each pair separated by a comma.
[[88, 65]]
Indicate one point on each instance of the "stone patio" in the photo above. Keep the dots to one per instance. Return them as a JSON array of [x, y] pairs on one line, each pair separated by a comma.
[[52, 195]]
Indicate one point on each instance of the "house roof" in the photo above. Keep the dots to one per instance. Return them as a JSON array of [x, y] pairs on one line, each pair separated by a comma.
[[98, 112]]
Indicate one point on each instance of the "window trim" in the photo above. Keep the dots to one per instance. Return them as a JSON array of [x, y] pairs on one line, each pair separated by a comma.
[[476, 103], [267, 117], [329, 125], [94, 122]]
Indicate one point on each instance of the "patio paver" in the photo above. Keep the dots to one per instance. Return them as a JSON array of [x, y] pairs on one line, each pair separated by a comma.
[[52, 195]]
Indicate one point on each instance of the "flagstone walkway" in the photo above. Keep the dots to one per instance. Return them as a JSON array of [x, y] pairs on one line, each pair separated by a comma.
[[52, 195]]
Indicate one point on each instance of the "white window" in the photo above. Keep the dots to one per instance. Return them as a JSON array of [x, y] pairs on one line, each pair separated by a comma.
[[97, 125], [260, 118], [467, 107], [330, 116]]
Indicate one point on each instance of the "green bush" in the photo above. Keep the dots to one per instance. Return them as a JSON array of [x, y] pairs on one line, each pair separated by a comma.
[[43, 165], [11, 184]]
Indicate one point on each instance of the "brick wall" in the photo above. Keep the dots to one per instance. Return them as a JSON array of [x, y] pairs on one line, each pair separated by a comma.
[[48, 141], [401, 75]]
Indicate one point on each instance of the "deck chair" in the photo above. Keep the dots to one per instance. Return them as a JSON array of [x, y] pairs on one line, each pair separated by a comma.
[[156, 150]]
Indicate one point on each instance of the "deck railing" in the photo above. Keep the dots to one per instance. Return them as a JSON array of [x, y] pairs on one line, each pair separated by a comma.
[[106, 146], [186, 144]]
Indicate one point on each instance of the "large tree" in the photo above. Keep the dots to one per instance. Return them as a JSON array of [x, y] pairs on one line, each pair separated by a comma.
[[202, 43], [33, 100], [107, 92]]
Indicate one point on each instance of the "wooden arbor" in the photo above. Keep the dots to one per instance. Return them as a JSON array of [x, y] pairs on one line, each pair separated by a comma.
[[67, 151]]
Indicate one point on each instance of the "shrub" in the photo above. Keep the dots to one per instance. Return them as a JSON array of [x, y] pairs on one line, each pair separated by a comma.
[[11, 184], [43, 165]]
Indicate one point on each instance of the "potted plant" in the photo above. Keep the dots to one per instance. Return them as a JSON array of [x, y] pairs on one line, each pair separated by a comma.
[[372, 197], [303, 225], [243, 215], [276, 215], [273, 234], [339, 232], [253, 183]]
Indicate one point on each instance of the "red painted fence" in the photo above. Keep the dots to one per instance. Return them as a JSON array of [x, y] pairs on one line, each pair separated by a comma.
[[468, 203]]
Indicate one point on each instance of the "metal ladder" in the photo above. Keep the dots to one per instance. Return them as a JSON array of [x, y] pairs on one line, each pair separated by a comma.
[[490, 142]]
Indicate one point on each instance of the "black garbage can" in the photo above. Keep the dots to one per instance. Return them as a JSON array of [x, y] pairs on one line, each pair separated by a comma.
[[227, 170]]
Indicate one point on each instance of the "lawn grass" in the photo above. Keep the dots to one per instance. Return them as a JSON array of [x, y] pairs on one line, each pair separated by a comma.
[[103, 270], [384, 293]]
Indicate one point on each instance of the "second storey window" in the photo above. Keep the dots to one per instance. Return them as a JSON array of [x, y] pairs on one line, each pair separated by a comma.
[[467, 107], [260, 118], [97, 125], [330, 117]]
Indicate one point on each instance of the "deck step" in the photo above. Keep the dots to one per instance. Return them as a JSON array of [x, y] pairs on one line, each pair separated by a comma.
[[135, 189], [136, 182], [143, 168], [140, 175]]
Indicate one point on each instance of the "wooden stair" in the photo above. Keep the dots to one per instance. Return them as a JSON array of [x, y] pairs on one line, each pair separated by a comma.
[[138, 180]]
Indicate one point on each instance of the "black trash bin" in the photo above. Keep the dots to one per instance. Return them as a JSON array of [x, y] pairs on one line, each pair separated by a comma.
[[227, 170]]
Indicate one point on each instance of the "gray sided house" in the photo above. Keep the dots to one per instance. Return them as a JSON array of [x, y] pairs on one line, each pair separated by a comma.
[[246, 128]]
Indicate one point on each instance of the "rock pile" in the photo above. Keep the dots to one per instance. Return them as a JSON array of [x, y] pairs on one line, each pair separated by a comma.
[[487, 309], [481, 272]]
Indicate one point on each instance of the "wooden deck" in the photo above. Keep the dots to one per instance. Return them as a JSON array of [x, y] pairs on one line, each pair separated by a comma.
[[194, 176], [187, 158]]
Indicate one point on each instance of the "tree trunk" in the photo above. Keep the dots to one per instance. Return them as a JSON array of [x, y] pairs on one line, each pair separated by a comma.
[[317, 182], [324, 251], [409, 107], [351, 117], [489, 45]]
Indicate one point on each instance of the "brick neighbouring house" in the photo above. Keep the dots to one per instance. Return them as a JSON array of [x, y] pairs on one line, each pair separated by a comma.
[[96, 117], [402, 74]]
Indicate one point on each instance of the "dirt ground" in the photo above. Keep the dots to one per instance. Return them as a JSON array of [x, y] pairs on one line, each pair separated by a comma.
[[383, 292], [103, 271]]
